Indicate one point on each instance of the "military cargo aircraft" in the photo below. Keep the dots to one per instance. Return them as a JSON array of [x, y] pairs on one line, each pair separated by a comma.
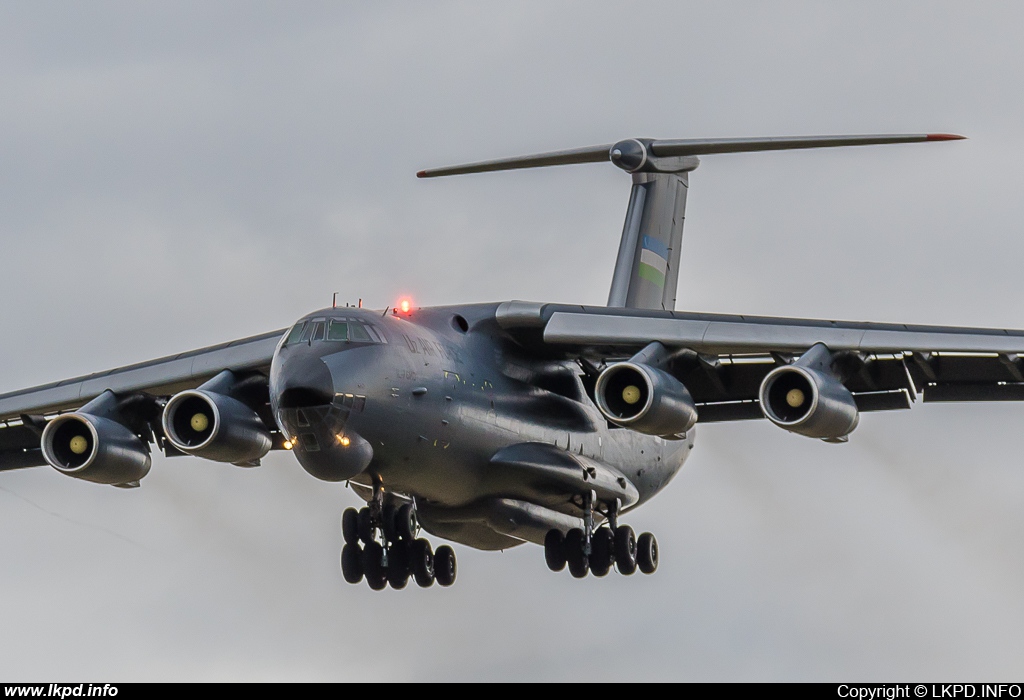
[[493, 425]]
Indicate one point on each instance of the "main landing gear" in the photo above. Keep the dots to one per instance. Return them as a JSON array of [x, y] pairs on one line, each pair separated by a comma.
[[597, 550], [381, 545]]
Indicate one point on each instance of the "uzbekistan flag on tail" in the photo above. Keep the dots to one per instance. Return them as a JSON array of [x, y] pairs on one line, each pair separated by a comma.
[[653, 261]]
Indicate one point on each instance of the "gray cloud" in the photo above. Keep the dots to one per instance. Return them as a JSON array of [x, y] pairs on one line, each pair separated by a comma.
[[178, 175]]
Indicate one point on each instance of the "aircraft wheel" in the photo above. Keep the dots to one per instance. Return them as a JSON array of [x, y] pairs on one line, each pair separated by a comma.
[[579, 567], [387, 525], [405, 522], [647, 553], [365, 526], [350, 526], [398, 566], [421, 562], [554, 550], [373, 566], [444, 565], [602, 548], [352, 563], [625, 550]]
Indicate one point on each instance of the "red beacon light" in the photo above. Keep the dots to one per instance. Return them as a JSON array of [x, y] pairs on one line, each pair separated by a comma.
[[404, 306]]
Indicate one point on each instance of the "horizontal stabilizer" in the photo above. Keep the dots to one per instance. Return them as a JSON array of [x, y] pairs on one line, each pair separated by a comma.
[[633, 154], [701, 147], [590, 154], [647, 267]]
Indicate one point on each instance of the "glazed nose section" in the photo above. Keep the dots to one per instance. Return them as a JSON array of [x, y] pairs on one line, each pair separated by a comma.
[[302, 395], [301, 381]]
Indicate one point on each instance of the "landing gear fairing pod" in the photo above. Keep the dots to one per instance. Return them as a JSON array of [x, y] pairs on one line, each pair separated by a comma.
[[210, 423], [91, 445], [807, 398]]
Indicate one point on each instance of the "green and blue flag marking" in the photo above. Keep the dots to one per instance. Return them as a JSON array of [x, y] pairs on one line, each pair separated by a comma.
[[653, 261]]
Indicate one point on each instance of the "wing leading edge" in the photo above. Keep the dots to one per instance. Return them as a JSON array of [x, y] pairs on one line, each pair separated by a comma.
[[24, 413], [722, 359]]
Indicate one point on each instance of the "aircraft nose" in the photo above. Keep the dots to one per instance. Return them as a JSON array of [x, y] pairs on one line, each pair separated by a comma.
[[304, 381]]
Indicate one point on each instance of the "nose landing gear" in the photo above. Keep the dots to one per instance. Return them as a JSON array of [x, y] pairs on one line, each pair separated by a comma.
[[597, 550], [382, 546]]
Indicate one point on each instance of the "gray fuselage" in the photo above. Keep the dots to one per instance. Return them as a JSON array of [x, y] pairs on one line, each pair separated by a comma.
[[425, 400]]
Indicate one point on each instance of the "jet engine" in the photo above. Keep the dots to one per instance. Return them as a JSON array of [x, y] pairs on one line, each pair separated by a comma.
[[215, 426], [95, 448], [642, 398], [808, 400]]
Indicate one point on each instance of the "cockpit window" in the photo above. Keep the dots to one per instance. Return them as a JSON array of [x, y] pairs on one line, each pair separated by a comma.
[[346, 330], [377, 336], [303, 330], [350, 330], [359, 333], [338, 330], [296, 332]]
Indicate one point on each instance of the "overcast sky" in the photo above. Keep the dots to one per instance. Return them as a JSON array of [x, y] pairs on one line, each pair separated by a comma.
[[180, 174]]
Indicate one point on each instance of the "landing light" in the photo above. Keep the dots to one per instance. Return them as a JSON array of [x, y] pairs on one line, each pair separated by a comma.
[[288, 444], [344, 441]]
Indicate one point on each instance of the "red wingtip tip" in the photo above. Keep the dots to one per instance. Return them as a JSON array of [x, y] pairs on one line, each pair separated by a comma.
[[945, 137], [422, 173]]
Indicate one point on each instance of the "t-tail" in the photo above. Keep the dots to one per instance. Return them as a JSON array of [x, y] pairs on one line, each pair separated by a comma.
[[647, 267]]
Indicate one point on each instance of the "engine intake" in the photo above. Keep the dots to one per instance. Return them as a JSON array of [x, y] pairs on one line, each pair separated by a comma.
[[216, 427], [809, 400], [645, 399], [94, 448]]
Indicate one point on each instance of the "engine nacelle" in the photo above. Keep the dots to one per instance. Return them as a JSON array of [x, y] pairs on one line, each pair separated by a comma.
[[809, 402], [645, 399], [216, 427], [95, 449]]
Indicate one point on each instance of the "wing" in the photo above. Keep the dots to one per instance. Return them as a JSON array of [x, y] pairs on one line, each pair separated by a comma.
[[723, 359], [24, 414]]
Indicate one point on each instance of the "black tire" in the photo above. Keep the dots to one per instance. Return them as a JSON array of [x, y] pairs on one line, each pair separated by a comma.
[[445, 568], [365, 526], [625, 550], [421, 563], [398, 566], [579, 567], [405, 522], [647, 553], [352, 563], [350, 526], [387, 525], [602, 547], [554, 550], [373, 566]]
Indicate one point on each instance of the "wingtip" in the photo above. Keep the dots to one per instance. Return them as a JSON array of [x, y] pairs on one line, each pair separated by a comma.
[[945, 137], [422, 173]]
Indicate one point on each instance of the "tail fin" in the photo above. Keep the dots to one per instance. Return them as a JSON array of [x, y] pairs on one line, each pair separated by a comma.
[[647, 268]]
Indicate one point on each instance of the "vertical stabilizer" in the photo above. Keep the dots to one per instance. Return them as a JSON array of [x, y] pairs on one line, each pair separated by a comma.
[[647, 268]]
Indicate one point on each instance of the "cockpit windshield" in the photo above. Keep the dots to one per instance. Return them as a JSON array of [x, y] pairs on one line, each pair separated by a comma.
[[346, 330]]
